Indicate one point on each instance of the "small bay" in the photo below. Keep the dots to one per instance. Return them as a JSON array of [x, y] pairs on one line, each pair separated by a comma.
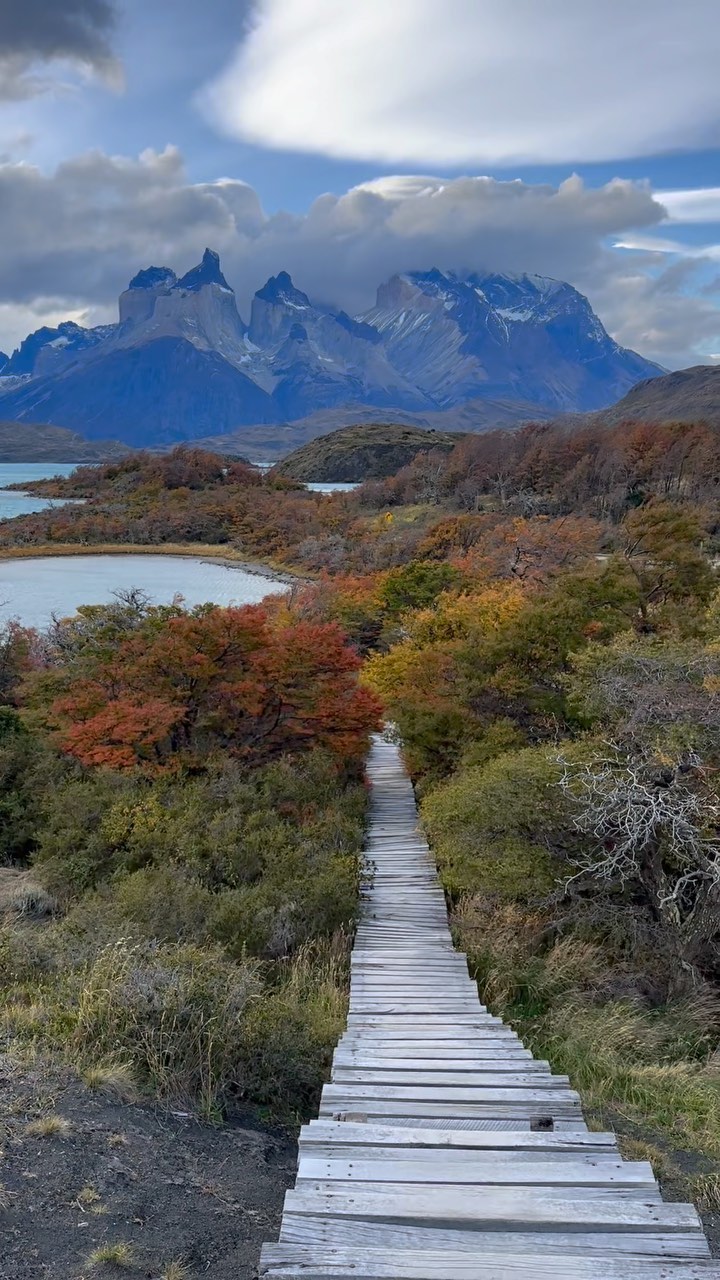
[[23, 504], [36, 588]]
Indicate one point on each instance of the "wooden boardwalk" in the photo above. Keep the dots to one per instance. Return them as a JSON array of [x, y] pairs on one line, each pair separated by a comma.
[[443, 1149]]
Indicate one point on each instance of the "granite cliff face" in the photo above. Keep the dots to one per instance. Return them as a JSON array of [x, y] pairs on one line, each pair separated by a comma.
[[528, 338], [181, 363]]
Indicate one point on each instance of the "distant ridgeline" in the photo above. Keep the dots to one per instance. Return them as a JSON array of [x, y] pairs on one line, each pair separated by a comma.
[[182, 364]]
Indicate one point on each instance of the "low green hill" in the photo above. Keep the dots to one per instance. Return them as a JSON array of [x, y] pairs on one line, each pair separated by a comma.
[[33, 442], [368, 452], [686, 395]]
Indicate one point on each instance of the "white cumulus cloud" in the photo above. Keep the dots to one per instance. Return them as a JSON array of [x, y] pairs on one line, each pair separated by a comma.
[[474, 81]]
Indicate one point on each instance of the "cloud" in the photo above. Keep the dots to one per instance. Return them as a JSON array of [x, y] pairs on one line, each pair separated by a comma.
[[660, 315], [79, 233], [700, 205], [473, 81], [36, 32]]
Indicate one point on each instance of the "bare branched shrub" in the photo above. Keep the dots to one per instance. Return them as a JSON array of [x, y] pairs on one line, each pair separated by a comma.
[[654, 825]]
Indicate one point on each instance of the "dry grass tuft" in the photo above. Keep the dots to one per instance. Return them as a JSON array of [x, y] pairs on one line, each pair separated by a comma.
[[23, 897], [112, 1255], [117, 1140], [5, 1198], [52, 1126], [175, 1271], [115, 1078], [705, 1191], [88, 1196], [638, 1149], [24, 1019]]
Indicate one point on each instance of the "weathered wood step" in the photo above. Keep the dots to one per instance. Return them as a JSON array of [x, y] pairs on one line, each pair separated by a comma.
[[510, 1078], [538, 1113], [386, 1137], [280, 1261], [490, 1209], [473, 1169], [674, 1245]]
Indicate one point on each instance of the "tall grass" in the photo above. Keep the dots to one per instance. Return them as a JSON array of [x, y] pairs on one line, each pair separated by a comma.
[[175, 1013], [292, 1031], [656, 1066]]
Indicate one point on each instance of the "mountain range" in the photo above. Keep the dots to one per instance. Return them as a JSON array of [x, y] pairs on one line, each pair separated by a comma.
[[181, 363]]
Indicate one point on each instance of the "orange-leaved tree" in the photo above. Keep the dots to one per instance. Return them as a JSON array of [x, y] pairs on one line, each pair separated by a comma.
[[180, 688]]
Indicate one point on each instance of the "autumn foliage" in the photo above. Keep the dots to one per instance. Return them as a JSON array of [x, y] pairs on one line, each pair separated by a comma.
[[182, 687]]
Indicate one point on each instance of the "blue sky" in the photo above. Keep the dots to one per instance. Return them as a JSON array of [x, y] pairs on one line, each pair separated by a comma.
[[317, 105]]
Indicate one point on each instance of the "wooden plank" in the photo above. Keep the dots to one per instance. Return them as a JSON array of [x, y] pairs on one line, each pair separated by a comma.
[[386, 1136], [493, 1208], [389, 1067], [383, 1108], [449, 1093], [493, 1077], [467, 1042], [441, 1050], [511, 1078], [318, 1229], [395, 1021], [469, 1168], [313, 1263], [454, 1158]]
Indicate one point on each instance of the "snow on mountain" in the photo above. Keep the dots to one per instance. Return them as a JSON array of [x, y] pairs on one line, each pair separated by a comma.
[[47, 350], [459, 337], [3, 361], [181, 362]]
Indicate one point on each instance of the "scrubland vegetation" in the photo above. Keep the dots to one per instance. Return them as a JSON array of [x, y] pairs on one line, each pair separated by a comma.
[[538, 614], [182, 807]]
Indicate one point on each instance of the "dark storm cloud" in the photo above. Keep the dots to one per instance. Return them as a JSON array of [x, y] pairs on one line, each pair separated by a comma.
[[44, 31]]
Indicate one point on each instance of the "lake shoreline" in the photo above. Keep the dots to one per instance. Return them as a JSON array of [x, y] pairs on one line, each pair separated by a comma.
[[192, 551]]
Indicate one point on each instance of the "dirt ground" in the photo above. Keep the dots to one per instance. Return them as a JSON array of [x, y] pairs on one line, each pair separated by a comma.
[[172, 1189]]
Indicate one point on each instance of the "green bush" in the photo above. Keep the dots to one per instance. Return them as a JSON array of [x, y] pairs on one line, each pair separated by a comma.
[[159, 904], [417, 584], [502, 828], [260, 860]]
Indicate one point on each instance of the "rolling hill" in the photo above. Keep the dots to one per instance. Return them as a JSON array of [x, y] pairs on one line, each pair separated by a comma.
[[366, 452]]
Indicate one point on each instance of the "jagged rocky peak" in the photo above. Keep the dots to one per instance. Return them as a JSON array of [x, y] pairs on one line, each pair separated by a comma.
[[42, 349], [396, 292], [3, 360], [275, 309], [200, 306], [154, 278], [137, 303], [280, 289], [206, 272]]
